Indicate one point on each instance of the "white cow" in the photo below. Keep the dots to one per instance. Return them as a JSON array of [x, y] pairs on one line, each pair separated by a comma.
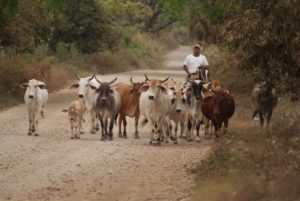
[[36, 97], [75, 115], [87, 95], [178, 112], [155, 107]]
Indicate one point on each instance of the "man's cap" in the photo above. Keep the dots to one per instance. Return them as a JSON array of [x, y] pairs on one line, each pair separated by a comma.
[[197, 46]]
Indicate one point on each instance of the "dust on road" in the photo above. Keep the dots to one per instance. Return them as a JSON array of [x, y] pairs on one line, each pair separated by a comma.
[[53, 167]]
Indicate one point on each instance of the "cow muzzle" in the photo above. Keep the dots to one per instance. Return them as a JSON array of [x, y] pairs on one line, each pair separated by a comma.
[[80, 95], [103, 100], [178, 110], [151, 97], [30, 96]]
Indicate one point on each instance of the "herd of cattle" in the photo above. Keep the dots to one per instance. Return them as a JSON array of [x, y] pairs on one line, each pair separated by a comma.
[[163, 104]]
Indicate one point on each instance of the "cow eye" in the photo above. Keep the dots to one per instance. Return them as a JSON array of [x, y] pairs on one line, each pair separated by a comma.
[[172, 88], [36, 86], [173, 100], [183, 100]]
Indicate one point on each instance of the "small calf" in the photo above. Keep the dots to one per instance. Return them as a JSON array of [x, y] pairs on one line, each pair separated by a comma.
[[75, 114]]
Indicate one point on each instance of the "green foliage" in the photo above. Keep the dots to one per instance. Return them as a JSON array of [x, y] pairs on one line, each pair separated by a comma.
[[81, 23]]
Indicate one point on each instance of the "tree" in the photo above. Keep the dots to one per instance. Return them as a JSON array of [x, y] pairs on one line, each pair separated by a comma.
[[81, 23]]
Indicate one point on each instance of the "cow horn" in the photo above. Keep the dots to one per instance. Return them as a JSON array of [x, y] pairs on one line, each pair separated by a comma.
[[91, 77], [146, 77], [98, 80], [131, 81], [111, 82], [173, 80], [164, 80], [76, 76]]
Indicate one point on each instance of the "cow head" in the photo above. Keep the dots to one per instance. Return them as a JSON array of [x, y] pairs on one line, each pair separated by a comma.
[[154, 87], [135, 85], [104, 91], [83, 85], [32, 87], [218, 98], [179, 100]]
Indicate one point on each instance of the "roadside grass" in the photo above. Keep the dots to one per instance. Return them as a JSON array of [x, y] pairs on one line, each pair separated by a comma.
[[250, 164]]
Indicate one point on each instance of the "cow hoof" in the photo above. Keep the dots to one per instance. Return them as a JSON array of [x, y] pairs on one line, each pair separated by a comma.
[[103, 138], [198, 139], [72, 138], [120, 135], [82, 132], [97, 129], [92, 131], [77, 137], [156, 143], [166, 141], [189, 139], [175, 142], [110, 138], [206, 136], [136, 136], [36, 134], [184, 137], [150, 142], [172, 138], [29, 133], [125, 136]]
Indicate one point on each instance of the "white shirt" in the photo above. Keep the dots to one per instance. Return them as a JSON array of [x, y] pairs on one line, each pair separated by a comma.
[[193, 62]]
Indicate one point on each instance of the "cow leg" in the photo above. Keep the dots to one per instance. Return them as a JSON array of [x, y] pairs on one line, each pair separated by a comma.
[[175, 132], [103, 137], [165, 130], [269, 115], [216, 128], [153, 129], [124, 127], [30, 119], [111, 125], [136, 123], [120, 125], [191, 131], [225, 126], [93, 119], [206, 131], [36, 123], [197, 131], [97, 126], [182, 127], [188, 128], [261, 119], [72, 128]]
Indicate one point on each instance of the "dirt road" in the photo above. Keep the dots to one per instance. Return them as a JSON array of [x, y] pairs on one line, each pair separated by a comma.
[[54, 167]]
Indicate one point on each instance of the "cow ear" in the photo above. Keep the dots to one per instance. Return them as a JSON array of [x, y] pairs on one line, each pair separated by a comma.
[[189, 91], [42, 86], [92, 87], [144, 88], [24, 85], [74, 86], [163, 89], [65, 110], [111, 91]]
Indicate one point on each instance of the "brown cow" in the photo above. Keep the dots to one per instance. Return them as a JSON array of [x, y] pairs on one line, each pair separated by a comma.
[[219, 108], [129, 105]]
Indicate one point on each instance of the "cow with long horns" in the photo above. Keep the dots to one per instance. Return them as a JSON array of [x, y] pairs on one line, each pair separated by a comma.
[[107, 105], [129, 105], [87, 94], [155, 107]]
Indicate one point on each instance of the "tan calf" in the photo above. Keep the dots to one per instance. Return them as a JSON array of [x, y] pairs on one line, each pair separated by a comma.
[[75, 114]]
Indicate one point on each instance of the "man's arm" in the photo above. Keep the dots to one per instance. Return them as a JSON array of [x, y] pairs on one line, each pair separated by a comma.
[[186, 69]]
